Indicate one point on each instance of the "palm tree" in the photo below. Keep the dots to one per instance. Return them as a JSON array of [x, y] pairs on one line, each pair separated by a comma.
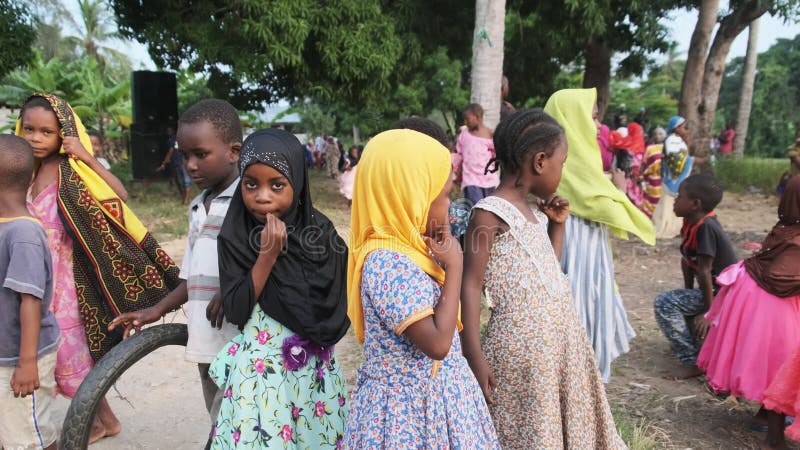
[[96, 28], [487, 58], [746, 94]]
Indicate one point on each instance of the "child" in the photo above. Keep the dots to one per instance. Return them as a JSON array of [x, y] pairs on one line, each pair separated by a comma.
[[706, 251], [105, 262], [474, 150], [210, 137], [415, 389], [282, 275], [554, 384], [29, 335], [651, 172], [755, 319], [793, 153], [596, 209], [348, 176], [97, 148], [332, 155]]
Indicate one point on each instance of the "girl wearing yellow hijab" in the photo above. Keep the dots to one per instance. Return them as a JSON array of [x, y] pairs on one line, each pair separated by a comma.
[[415, 389], [104, 260], [596, 207]]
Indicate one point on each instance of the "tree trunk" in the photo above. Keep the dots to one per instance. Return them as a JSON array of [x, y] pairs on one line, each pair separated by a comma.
[[730, 27], [356, 135], [692, 83], [598, 70], [487, 58], [746, 94]]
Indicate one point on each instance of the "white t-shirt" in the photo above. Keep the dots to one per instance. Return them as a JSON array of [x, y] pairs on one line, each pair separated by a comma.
[[675, 144], [200, 269]]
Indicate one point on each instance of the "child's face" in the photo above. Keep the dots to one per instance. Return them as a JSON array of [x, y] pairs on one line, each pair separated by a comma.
[[438, 212], [684, 205], [266, 191], [354, 152], [210, 162], [97, 147], [41, 129], [550, 170]]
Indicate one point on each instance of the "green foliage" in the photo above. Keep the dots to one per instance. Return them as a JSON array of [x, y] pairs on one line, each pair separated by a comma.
[[16, 36], [257, 50], [315, 121], [739, 175], [775, 113]]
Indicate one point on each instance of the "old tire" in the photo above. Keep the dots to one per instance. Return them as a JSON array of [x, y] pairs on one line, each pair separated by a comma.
[[80, 415]]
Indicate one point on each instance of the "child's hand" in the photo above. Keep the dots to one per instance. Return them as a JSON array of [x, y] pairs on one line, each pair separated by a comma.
[[485, 377], [25, 379], [273, 236], [135, 320], [445, 248], [214, 312], [701, 326], [557, 209], [618, 178], [72, 145]]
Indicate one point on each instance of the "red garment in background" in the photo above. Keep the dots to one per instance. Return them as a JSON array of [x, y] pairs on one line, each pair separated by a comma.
[[633, 142], [726, 140], [605, 152]]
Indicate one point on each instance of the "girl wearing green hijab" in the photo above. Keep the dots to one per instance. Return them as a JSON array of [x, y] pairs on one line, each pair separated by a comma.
[[597, 207]]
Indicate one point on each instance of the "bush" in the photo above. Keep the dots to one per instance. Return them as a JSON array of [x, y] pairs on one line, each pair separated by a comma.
[[739, 175]]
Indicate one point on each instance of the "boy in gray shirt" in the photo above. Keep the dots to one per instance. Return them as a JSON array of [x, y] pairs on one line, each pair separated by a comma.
[[29, 334]]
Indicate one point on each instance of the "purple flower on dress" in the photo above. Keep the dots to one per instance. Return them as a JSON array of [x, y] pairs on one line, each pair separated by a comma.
[[295, 412], [339, 442], [341, 400], [286, 433], [228, 393], [259, 365], [237, 434], [320, 372], [319, 409], [263, 337], [233, 349]]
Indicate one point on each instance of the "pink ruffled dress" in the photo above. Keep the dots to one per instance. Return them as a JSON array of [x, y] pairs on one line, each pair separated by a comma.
[[73, 361], [783, 395], [753, 334]]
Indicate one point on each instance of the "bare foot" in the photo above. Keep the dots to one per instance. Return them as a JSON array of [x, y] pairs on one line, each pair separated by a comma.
[[684, 373], [98, 431], [110, 422]]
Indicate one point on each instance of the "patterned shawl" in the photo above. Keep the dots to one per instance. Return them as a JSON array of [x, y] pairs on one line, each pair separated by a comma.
[[119, 267]]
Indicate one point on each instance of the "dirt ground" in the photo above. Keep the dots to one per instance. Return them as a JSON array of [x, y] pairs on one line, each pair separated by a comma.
[[159, 400]]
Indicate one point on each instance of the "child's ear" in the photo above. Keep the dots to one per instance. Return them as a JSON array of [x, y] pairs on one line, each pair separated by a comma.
[[235, 150], [537, 163]]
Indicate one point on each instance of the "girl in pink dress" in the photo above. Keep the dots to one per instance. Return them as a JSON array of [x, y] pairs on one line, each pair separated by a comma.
[[756, 315]]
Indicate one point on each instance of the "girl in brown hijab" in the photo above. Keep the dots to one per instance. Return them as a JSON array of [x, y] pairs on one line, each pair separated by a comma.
[[756, 315]]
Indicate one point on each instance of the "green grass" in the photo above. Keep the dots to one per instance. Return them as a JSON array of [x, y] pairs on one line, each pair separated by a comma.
[[159, 208], [739, 175], [640, 434]]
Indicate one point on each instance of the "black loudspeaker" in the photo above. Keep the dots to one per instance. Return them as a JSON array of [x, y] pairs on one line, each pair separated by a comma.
[[147, 153], [155, 100], [154, 97]]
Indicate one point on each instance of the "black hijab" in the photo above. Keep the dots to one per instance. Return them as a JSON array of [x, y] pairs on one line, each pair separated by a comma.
[[306, 290]]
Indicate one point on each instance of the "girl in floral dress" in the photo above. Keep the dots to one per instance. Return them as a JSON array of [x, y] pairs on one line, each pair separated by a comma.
[[538, 372], [282, 277], [415, 389]]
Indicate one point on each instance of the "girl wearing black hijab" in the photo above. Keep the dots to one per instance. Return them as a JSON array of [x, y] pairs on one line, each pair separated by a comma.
[[282, 275]]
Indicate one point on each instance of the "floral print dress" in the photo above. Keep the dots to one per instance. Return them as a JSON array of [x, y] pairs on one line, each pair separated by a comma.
[[404, 399], [280, 391], [549, 393]]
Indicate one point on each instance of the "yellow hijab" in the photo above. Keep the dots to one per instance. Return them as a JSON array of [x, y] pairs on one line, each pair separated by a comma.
[[591, 194], [115, 209], [399, 175]]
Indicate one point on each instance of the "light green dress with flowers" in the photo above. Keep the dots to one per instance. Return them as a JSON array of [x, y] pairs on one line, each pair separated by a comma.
[[280, 390]]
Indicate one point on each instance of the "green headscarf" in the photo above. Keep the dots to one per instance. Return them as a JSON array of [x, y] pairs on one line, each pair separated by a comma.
[[591, 194]]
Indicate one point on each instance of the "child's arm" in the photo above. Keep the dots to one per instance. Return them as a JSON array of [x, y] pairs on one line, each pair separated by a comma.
[[137, 319], [478, 243], [704, 280], [688, 275], [434, 334], [74, 148], [25, 379]]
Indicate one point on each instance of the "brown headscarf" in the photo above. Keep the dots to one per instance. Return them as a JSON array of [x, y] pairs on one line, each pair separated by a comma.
[[776, 268]]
